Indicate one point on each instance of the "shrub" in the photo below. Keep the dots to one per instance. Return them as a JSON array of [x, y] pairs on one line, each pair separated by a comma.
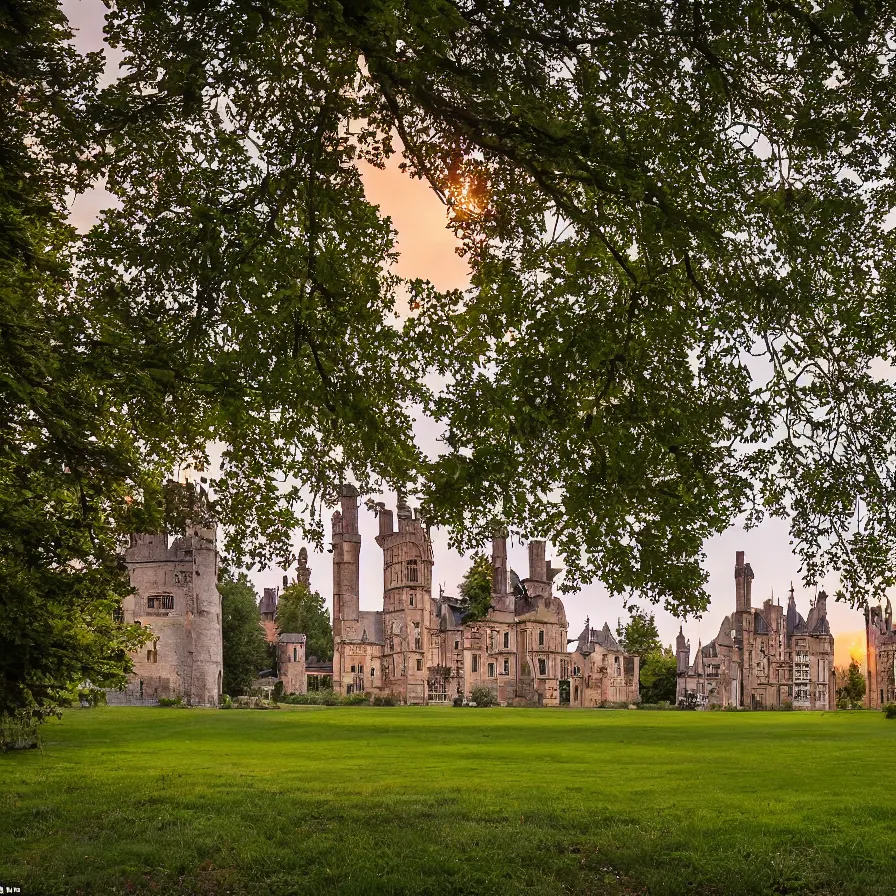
[[890, 710], [483, 697], [171, 701], [787, 706], [226, 702], [355, 700], [18, 732], [384, 701], [458, 701]]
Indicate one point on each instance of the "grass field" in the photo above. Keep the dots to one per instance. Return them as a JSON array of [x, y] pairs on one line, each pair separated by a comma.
[[364, 800]]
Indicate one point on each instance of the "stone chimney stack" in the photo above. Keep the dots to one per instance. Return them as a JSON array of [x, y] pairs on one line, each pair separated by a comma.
[[537, 562], [499, 565], [682, 651], [346, 565], [303, 573], [384, 515], [740, 573]]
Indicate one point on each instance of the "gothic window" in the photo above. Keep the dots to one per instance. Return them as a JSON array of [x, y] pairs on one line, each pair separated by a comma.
[[541, 637], [412, 571], [506, 640], [542, 666]]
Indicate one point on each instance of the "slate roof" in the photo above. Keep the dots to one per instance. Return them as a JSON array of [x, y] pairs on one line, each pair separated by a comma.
[[291, 638], [372, 626], [269, 601]]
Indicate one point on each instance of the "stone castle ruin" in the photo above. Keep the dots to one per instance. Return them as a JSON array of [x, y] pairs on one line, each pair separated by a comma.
[[881, 656], [420, 649], [762, 657]]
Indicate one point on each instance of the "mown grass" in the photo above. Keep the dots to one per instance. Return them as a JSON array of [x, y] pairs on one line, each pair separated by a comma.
[[451, 801]]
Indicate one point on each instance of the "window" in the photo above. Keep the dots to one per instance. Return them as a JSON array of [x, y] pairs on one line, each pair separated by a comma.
[[457, 645], [491, 670], [412, 572], [541, 637], [564, 668], [576, 670], [542, 666], [372, 672], [160, 602], [295, 654], [412, 599], [360, 670], [418, 644], [506, 640], [353, 668], [474, 662], [506, 666]]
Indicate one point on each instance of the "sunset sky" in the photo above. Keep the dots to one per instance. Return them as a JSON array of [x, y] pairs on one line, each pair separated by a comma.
[[427, 251]]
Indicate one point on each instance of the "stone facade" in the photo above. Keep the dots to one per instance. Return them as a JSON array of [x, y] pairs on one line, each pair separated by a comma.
[[291, 663], [762, 657], [421, 649], [177, 598], [881, 656]]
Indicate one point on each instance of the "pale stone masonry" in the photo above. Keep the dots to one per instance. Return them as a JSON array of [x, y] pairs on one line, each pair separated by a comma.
[[177, 599], [421, 649], [761, 657], [881, 656]]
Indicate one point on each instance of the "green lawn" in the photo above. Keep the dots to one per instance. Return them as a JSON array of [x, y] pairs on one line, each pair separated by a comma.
[[362, 800]]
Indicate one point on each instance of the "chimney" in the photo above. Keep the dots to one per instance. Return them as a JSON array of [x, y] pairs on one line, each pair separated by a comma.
[[537, 562], [499, 565]]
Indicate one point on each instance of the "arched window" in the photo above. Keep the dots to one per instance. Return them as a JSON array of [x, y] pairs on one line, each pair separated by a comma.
[[412, 572]]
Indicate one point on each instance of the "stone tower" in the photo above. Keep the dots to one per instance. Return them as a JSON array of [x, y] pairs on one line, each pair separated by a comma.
[[177, 598], [346, 567], [407, 602]]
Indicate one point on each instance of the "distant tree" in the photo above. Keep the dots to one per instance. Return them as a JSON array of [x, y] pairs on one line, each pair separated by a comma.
[[304, 611], [476, 588], [245, 649], [639, 635], [658, 676], [851, 686], [657, 663]]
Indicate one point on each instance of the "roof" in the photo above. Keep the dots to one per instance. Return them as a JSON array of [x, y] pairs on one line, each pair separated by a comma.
[[372, 626], [324, 667], [269, 600], [601, 637], [291, 638]]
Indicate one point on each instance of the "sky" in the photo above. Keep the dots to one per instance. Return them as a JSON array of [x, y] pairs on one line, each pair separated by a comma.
[[426, 247]]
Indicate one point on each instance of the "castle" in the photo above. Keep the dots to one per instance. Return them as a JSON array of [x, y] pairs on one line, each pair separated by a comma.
[[761, 657], [422, 649], [881, 656], [177, 599]]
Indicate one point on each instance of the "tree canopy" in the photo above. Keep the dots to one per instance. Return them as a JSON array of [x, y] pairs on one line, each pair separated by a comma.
[[851, 686], [245, 649], [303, 611], [675, 218], [657, 664], [681, 308]]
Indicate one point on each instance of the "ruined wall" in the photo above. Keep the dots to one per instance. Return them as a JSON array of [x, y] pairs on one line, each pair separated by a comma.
[[178, 600]]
